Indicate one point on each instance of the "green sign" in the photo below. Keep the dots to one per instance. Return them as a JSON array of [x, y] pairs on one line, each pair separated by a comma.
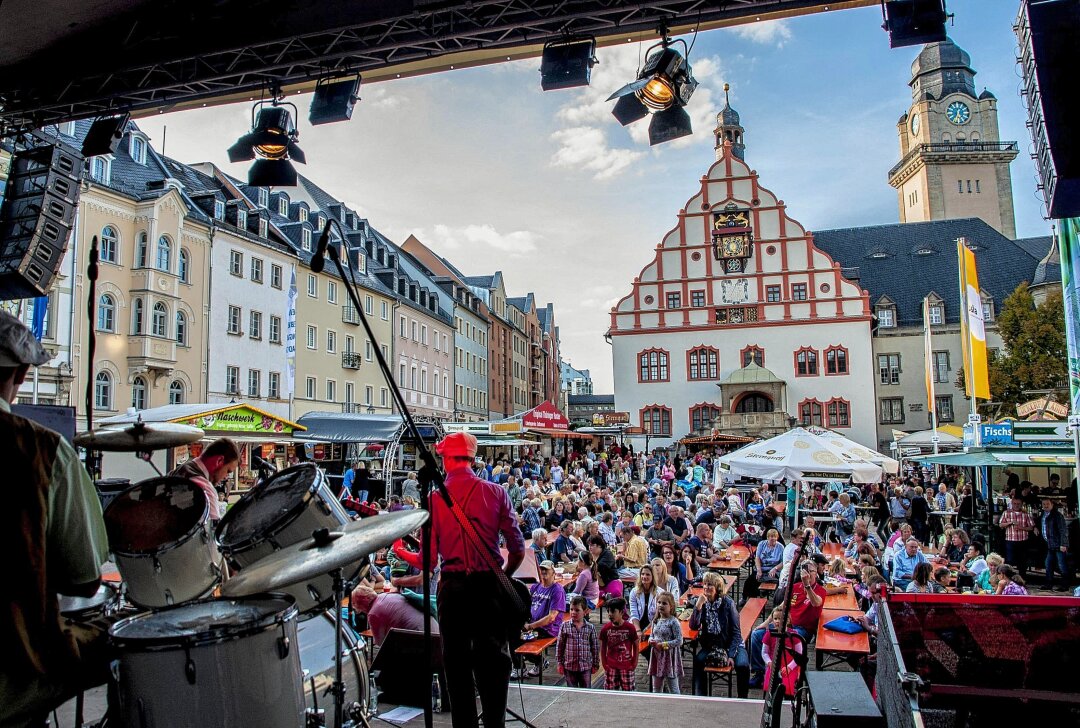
[[241, 419]]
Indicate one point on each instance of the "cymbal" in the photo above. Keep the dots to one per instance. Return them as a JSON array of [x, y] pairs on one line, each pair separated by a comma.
[[139, 436], [304, 560]]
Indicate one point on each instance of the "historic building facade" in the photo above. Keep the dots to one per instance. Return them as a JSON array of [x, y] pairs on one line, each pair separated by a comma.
[[736, 285]]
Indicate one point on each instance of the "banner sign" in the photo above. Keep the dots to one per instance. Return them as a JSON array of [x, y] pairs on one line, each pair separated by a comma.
[[241, 419]]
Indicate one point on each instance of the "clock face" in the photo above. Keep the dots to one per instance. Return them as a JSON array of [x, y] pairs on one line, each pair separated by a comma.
[[958, 112], [733, 246], [915, 124]]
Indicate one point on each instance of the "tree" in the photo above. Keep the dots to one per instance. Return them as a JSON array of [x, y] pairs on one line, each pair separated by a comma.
[[1034, 355]]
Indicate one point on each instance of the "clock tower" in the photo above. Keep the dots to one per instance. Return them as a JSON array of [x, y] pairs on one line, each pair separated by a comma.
[[953, 163]]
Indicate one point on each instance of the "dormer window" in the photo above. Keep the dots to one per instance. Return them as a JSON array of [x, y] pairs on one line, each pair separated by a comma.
[[241, 218], [924, 251], [219, 210], [303, 214], [262, 227], [988, 308], [137, 148], [67, 128], [886, 316], [264, 197], [937, 314], [283, 206], [101, 169], [305, 239]]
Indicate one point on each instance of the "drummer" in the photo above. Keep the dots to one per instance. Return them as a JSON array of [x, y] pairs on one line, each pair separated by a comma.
[[216, 463], [53, 540]]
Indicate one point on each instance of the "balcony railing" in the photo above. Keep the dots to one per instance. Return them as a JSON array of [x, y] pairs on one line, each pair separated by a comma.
[[952, 148], [350, 315], [350, 360]]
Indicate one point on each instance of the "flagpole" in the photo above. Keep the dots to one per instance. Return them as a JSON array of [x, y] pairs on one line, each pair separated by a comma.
[[928, 359]]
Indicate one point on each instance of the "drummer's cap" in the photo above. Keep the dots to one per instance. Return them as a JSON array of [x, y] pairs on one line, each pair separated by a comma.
[[18, 345], [457, 444]]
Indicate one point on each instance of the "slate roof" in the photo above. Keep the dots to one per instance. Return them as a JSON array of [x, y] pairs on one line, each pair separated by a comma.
[[1035, 247], [901, 273], [1049, 268], [586, 399], [479, 281]]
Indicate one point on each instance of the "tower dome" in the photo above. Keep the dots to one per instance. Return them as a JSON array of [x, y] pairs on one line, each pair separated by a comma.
[[729, 129], [941, 69]]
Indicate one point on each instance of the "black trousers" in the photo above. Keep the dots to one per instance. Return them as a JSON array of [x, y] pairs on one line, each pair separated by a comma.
[[476, 655]]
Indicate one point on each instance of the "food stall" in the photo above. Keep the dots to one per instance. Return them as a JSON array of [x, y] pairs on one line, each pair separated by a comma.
[[256, 431]]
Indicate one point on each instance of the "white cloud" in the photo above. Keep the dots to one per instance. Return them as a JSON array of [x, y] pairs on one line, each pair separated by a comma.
[[766, 32], [586, 148], [475, 237], [382, 96]]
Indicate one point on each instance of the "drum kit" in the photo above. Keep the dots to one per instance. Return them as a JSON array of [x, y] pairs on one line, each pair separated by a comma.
[[242, 617]]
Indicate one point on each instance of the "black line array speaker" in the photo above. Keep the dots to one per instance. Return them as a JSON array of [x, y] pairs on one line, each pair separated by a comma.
[[36, 216]]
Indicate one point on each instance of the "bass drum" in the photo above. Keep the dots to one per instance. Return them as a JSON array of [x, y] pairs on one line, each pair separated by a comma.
[[162, 537], [280, 512], [218, 662], [316, 639]]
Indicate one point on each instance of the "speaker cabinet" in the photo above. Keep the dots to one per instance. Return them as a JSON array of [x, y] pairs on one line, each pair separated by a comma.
[[38, 210]]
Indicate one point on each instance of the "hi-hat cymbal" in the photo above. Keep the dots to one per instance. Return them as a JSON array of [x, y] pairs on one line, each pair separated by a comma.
[[139, 437], [304, 560]]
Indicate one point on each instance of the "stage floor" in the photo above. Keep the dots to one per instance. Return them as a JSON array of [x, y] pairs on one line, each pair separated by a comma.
[[561, 707]]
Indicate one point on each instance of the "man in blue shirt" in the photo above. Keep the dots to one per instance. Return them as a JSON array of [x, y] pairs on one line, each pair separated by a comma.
[[904, 563], [563, 551]]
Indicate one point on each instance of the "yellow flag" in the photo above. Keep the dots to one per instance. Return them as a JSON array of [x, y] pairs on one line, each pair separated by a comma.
[[976, 377]]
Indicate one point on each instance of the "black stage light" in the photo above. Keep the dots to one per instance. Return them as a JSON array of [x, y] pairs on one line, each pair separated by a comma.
[[567, 63], [333, 100], [272, 139], [669, 124], [914, 22], [663, 87], [104, 135]]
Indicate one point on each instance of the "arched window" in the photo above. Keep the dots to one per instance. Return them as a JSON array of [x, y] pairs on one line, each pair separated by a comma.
[[653, 366], [836, 360], [138, 321], [656, 420], [810, 411], [106, 313], [159, 324], [138, 393], [138, 149], [839, 412], [702, 416], [176, 392], [754, 354], [806, 363], [754, 402], [164, 254], [181, 328], [103, 391], [140, 251], [702, 363], [182, 267], [110, 241]]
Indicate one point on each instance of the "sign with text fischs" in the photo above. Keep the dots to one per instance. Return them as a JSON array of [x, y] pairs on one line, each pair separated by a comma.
[[545, 416]]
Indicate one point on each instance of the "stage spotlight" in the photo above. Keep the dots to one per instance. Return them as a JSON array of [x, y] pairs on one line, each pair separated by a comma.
[[914, 22], [104, 135], [272, 139], [333, 100], [567, 63], [663, 87]]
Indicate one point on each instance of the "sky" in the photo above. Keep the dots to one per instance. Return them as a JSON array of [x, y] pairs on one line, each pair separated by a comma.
[[495, 174]]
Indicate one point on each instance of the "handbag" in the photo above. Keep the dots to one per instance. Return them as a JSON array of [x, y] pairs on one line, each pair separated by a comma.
[[847, 625], [515, 597]]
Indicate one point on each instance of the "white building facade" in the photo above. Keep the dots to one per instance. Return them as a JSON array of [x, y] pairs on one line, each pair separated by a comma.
[[711, 302]]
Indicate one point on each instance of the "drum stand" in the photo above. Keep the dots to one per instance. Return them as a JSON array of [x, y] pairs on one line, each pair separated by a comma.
[[337, 689]]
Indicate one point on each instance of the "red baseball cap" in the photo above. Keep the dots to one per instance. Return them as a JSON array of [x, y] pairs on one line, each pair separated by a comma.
[[457, 444]]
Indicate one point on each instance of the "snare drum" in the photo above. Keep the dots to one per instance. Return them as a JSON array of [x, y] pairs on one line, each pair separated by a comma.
[[279, 512], [161, 535], [219, 662], [316, 639]]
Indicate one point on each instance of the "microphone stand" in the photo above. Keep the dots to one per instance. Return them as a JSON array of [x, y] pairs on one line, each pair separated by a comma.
[[430, 470], [91, 345]]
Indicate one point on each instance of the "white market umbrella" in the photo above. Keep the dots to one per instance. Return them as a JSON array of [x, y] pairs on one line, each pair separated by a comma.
[[799, 454], [888, 464]]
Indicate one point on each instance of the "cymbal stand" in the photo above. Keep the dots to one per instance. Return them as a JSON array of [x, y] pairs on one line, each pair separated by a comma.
[[342, 588]]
